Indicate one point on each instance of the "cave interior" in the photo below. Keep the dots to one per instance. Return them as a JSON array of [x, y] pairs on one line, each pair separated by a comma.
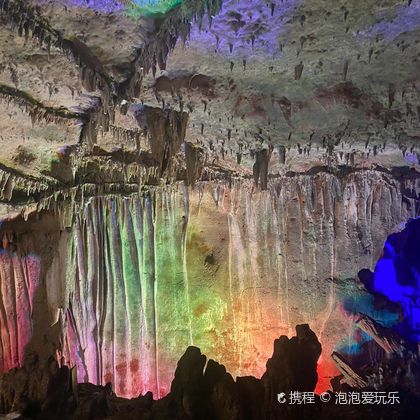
[[206, 205]]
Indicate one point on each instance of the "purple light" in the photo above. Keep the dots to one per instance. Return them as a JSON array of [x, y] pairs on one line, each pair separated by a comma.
[[397, 276], [411, 158], [106, 6], [407, 19], [245, 28]]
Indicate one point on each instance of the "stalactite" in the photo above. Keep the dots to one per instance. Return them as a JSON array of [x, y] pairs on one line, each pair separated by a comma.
[[147, 273], [22, 16], [15, 182], [260, 168], [167, 132], [132, 236], [37, 111]]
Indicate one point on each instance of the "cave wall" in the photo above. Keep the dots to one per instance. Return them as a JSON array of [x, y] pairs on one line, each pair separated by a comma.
[[19, 280], [135, 279], [226, 268]]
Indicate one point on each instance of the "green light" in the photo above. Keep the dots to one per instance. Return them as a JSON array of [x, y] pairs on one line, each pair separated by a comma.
[[151, 7]]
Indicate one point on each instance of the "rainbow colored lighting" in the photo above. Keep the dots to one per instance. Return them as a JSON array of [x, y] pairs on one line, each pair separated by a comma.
[[138, 279], [153, 275]]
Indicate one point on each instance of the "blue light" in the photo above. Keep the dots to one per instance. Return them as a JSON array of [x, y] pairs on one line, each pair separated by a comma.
[[397, 276]]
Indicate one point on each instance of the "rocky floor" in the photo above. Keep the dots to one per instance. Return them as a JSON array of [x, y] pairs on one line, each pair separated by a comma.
[[203, 389]]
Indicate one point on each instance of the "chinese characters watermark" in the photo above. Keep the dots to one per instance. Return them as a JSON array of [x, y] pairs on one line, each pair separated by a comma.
[[341, 398]]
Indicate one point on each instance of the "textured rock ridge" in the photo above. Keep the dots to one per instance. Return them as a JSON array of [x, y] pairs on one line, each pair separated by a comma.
[[121, 282]]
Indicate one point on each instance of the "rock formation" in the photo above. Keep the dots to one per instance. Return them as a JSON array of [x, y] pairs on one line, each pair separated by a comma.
[[200, 389], [204, 175]]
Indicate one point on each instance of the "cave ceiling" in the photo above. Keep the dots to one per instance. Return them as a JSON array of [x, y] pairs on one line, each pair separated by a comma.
[[88, 89]]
